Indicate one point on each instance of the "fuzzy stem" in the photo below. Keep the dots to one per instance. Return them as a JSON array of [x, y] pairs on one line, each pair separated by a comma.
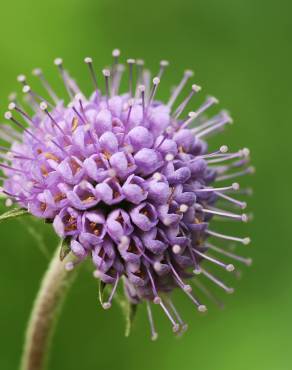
[[53, 288]]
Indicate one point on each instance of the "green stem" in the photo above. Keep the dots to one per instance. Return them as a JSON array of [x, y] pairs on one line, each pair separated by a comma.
[[53, 288]]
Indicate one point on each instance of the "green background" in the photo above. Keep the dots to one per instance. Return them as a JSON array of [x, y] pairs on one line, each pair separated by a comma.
[[241, 52]]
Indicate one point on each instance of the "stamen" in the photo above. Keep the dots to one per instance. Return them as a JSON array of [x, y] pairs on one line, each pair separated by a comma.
[[117, 79], [236, 202], [141, 89], [224, 120], [107, 74], [228, 267], [131, 103], [243, 153], [181, 107], [11, 168], [154, 334], [246, 261], [13, 106], [59, 63], [34, 96], [131, 63], [108, 304], [222, 150], [185, 287], [157, 299], [216, 212], [89, 62], [249, 170], [217, 281], [208, 293], [39, 73], [234, 186], [163, 64], [183, 325], [44, 107], [8, 116], [178, 89], [175, 325], [156, 82], [244, 241]]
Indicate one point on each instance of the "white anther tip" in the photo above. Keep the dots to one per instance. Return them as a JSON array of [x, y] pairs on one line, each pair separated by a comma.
[[11, 106], [43, 105], [131, 61], [248, 261], [154, 336], [202, 308], [157, 266], [224, 149], [183, 208], [87, 60], [230, 268], [246, 241], [169, 157], [230, 290], [197, 271], [251, 169], [21, 78], [8, 115], [156, 80], [175, 328], [26, 89], [69, 266], [176, 249], [244, 217], [58, 61], [164, 63], [196, 88], [157, 300], [116, 53], [141, 88], [245, 152], [12, 96], [213, 100], [188, 73], [36, 72], [187, 288], [106, 305], [8, 202], [96, 274], [140, 62], [106, 72], [243, 205], [192, 114], [235, 186]]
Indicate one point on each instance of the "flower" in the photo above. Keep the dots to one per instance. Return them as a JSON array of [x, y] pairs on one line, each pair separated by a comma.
[[127, 181]]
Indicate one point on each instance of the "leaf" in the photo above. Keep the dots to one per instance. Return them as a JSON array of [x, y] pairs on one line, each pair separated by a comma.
[[13, 213], [65, 248]]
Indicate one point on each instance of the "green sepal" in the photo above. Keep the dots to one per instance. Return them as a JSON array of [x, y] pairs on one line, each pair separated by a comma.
[[13, 213], [65, 248]]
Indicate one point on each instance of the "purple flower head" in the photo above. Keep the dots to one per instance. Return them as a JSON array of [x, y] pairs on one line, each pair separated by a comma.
[[128, 180]]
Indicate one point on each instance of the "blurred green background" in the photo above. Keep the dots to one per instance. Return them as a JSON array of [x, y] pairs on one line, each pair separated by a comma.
[[241, 51]]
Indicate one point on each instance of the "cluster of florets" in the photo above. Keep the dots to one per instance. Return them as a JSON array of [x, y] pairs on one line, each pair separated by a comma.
[[126, 181]]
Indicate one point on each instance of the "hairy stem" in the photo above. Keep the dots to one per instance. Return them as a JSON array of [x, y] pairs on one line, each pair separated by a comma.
[[53, 288]]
